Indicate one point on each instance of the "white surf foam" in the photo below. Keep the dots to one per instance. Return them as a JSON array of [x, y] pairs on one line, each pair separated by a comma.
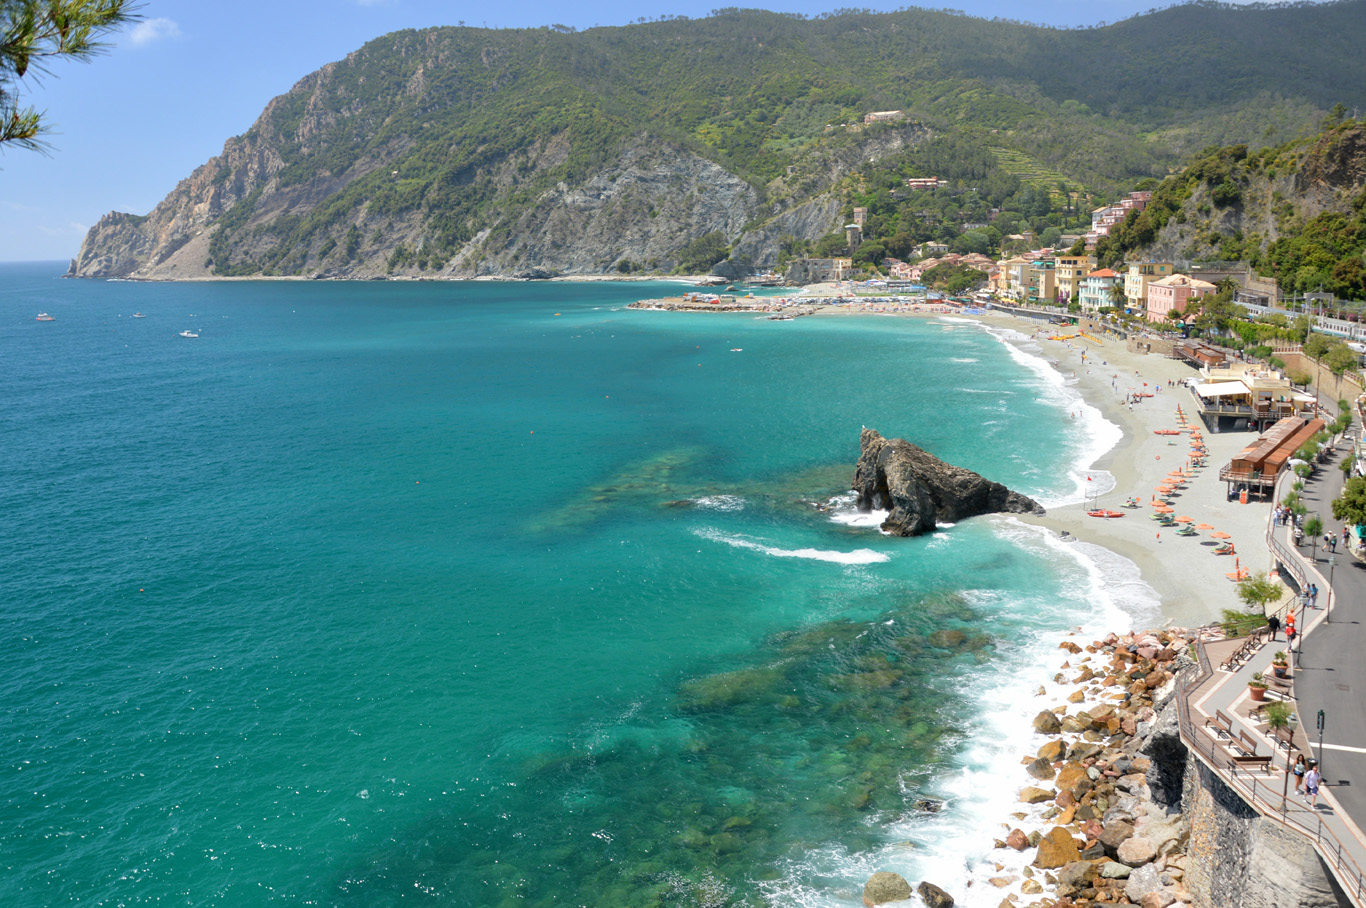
[[1101, 592], [1093, 434], [959, 855], [721, 503], [858, 556], [843, 509]]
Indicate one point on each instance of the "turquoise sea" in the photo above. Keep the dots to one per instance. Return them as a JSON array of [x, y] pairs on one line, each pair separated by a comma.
[[484, 594]]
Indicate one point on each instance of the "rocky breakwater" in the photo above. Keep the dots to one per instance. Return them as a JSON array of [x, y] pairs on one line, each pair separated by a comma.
[[1098, 834], [919, 490]]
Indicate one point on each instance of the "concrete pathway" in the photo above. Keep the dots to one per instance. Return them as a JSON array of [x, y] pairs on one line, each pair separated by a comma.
[[1331, 676], [1332, 673]]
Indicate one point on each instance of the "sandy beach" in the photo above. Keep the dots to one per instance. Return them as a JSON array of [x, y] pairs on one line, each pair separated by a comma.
[[1191, 580]]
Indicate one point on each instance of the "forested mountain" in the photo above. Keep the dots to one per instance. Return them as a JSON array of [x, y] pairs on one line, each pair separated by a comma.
[[459, 151]]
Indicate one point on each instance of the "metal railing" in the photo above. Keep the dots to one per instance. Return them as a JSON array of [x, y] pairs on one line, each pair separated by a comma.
[[1261, 794], [1291, 561]]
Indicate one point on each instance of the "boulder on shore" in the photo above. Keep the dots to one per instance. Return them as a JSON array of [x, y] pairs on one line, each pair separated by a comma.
[[934, 896], [919, 490], [885, 886]]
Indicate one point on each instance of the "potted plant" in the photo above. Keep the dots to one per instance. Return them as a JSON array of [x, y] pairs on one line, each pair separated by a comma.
[[1256, 688], [1280, 664]]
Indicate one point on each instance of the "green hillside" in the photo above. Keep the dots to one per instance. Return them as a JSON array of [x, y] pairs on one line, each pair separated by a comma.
[[1295, 212], [457, 135]]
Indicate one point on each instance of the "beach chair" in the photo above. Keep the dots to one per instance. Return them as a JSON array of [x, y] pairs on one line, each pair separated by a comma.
[[1223, 548]]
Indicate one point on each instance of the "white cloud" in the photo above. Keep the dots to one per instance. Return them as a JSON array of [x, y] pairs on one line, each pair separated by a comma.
[[149, 30]]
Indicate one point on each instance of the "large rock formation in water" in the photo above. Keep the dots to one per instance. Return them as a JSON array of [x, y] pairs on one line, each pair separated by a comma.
[[920, 490]]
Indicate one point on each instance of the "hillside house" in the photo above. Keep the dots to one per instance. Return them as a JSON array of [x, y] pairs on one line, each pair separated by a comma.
[[1105, 218]]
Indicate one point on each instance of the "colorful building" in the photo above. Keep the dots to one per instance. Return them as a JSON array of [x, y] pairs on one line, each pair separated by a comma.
[[1136, 279], [1173, 294], [1071, 270], [1043, 281], [1096, 289]]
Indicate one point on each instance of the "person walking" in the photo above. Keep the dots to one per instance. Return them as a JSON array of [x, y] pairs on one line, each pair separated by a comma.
[[1298, 770], [1290, 629], [1312, 778]]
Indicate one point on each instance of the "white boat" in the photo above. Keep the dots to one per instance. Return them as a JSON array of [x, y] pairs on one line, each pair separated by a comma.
[[138, 315], [188, 334], [44, 317]]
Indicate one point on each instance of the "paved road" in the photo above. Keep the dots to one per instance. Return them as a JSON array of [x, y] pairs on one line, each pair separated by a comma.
[[1332, 674]]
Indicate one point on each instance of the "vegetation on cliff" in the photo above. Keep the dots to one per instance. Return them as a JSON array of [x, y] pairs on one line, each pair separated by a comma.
[[1294, 211]]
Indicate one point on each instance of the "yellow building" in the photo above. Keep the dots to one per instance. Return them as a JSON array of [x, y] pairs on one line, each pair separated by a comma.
[[1071, 269], [1137, 276], [1015, 277], [1043, 281]]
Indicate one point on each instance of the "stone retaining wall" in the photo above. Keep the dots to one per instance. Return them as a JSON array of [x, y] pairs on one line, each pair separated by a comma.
[[1240, 859]]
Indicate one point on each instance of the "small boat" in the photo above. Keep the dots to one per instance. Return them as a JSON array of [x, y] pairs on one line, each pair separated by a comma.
[[1166, 431], [1101, 513], [44, 317], [188, 334], [138, 315]]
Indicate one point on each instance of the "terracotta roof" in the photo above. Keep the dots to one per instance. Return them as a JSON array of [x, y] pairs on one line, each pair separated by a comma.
[[1104, 272]]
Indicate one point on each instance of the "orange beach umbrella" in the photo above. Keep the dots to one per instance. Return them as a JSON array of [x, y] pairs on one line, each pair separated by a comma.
[[1203, 526], [1220, 535]]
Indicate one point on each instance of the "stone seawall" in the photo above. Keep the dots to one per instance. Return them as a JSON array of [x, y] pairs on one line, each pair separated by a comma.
[[1240, 859]]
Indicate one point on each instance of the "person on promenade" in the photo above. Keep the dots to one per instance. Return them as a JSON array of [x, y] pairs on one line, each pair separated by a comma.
[[1312, 778], [1298, 771], [1290, 629], [1274, 624]]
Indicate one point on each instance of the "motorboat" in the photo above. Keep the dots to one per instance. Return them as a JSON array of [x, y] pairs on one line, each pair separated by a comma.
[[44, 317], [188, 334], [138, 315]]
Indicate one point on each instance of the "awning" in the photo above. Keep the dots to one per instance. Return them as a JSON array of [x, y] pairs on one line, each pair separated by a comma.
[[1221, 389]]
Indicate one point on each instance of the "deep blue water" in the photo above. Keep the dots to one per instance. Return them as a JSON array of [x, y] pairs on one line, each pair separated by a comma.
[[491, 594]]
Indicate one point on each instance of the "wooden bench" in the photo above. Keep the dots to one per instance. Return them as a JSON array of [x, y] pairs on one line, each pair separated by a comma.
[[1247, 744], [1223, 728], [1250, 760]]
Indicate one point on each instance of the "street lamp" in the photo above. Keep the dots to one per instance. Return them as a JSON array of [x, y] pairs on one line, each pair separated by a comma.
[[1328, 606]]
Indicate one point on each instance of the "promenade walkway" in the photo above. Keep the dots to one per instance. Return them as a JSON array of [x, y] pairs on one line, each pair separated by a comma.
[[1224, 728]]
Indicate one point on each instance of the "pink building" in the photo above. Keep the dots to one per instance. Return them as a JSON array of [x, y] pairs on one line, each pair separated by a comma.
[[1172, 294], [1103, 220]]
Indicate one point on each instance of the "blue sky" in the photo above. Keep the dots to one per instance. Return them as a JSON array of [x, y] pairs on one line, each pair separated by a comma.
[[134, 122]]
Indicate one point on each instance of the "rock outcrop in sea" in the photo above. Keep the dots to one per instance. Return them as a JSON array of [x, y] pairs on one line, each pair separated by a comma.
[[920, 490]]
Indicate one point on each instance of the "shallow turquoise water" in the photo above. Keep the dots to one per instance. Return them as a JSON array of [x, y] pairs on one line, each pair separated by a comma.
[[487, 594]]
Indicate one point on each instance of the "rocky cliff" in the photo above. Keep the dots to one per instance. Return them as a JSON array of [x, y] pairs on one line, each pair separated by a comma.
[[458, 152], [1234, 205], [392, 163], [919, 489]]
